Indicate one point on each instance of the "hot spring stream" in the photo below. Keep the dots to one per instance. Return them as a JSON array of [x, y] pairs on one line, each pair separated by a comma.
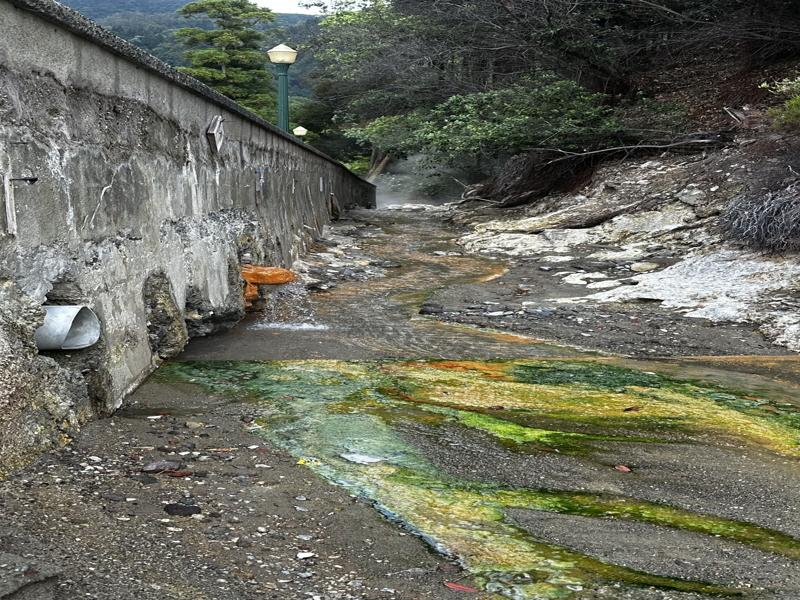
[[547, 472]]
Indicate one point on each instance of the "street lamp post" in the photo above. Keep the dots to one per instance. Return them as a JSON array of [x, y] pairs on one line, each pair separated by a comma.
[[300, 132], [283, 57]]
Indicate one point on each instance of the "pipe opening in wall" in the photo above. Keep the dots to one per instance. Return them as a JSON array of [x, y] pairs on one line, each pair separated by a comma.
[[68, 328]]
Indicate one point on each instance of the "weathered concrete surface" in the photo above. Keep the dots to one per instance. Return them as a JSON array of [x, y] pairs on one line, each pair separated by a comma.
[[129, 189]]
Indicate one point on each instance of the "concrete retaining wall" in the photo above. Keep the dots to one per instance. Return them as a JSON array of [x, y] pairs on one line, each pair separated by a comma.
[[132, 213]]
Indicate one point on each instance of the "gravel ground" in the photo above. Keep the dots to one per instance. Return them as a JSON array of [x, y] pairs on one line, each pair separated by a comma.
[[524, 301], [235, 519]]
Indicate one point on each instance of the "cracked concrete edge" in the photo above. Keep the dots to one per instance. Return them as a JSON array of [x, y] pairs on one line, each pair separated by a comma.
[[78, 24]]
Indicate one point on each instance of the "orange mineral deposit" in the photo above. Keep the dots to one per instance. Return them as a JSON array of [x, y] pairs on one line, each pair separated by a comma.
[[266, 275], [250, 293]]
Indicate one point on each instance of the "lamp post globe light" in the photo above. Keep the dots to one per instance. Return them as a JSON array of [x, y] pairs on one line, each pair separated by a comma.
[[283, 57], [300, 132]]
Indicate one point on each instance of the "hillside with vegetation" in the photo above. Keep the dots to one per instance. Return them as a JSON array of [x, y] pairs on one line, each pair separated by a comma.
[[473, 84], [152, 25]]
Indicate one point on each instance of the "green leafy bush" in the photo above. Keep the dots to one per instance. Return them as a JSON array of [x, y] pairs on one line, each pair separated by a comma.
[[359, 166], [396, 134], [466, 129], [786, 116]]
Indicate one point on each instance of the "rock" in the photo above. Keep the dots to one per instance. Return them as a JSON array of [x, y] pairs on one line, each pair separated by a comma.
[[644, 267], [540, 312], [691, 196], [583, 278], [166, 328], [182, 510], [194, 425], [385, 264], [159, 466], [41, 401], [431, 309], [604, 285]]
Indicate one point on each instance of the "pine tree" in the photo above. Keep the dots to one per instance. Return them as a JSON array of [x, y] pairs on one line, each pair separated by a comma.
[[229, 57]]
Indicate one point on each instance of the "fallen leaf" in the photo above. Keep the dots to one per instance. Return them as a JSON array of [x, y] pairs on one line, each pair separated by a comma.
[[461, 588], [179, 473], [623, 469]]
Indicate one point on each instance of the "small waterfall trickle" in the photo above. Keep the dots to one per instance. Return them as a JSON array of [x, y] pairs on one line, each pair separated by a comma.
[[288, 307]]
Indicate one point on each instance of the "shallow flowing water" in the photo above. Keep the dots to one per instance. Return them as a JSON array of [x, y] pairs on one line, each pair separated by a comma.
[[452, 431]]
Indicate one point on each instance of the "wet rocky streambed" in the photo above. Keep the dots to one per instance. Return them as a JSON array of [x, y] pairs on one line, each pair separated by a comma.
[[341, 445]]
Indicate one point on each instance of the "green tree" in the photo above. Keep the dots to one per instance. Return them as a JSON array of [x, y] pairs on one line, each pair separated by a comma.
[[229, 57], [472, 129]]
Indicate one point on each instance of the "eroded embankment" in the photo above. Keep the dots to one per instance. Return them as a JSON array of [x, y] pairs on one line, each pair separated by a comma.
[[646, 233]]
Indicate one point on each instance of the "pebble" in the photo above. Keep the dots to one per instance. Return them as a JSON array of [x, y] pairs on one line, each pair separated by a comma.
[[644, 267], [182, 510], [431, 309], [160, 466]]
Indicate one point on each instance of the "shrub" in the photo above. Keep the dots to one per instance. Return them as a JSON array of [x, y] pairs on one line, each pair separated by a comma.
[[395, 134], [545, 111], [768, 222], [359, 166], [472, 128], [786, 116]]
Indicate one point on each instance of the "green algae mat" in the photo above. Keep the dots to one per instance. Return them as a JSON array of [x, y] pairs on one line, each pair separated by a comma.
[[345, 420]]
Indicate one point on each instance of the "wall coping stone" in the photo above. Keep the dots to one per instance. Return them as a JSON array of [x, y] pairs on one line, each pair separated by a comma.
[[80, 25]]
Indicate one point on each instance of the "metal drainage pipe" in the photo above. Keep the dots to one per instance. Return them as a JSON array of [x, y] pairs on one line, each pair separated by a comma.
[[68, 328]]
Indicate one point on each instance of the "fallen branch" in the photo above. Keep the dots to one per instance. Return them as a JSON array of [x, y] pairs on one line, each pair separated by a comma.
[[673, 145], [542, 171], [470, 195]]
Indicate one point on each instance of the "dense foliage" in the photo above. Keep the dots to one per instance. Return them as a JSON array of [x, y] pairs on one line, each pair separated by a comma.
[[154, 33], [788, 114], [474, 128], [460, 80], [100, 9]]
